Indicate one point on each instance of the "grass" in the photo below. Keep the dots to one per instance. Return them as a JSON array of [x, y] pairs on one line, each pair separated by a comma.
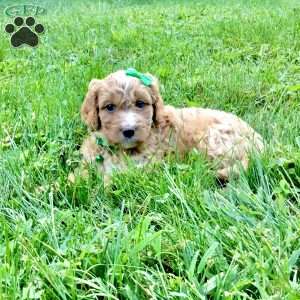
[[167, 232]]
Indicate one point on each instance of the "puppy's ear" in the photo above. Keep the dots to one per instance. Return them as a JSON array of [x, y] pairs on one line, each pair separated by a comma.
[[90, 108], [158, 104]]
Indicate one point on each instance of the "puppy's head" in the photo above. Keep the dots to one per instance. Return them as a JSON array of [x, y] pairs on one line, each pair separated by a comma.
[[122, 108]]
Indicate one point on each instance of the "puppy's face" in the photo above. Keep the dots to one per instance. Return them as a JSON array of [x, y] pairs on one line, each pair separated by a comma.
[[124, 109]]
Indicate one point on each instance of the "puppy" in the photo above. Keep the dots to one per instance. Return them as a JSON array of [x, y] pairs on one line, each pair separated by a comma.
[[128, 118]]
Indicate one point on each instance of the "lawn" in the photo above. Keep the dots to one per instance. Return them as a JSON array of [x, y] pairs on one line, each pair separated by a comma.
[[168, 231]]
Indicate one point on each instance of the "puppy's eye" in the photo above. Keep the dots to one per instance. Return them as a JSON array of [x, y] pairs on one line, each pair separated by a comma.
[[140, 103], [110, 107]]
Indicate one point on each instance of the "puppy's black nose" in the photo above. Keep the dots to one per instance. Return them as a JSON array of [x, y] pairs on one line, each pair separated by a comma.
[[128, 133]]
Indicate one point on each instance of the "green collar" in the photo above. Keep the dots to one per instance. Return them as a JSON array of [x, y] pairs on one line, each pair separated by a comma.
[[103, 142], [146, 80]]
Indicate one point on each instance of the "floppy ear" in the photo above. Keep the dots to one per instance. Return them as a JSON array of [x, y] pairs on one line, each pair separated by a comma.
[[158, 104], [90, 108]]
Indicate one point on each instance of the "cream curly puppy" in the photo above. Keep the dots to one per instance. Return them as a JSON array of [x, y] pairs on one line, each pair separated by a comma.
[[128, 119]]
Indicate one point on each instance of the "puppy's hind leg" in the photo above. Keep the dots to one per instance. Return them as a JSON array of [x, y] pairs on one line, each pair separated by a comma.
[[232, 170]]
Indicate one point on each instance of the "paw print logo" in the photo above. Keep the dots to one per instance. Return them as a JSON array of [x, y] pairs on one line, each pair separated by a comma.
[[24, 33]]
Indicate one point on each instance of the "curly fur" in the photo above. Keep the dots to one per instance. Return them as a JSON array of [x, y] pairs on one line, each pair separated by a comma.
[[160, 129]]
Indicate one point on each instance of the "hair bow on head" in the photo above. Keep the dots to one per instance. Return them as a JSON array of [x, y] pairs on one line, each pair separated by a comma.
[[146, 80]]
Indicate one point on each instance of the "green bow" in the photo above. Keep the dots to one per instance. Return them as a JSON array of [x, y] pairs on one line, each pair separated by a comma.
[[146, 80]]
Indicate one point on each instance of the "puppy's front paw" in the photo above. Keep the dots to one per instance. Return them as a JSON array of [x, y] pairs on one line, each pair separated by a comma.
[[79, 172]]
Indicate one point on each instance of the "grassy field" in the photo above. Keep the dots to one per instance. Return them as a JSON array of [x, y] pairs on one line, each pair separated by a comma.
[[169, 231]]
